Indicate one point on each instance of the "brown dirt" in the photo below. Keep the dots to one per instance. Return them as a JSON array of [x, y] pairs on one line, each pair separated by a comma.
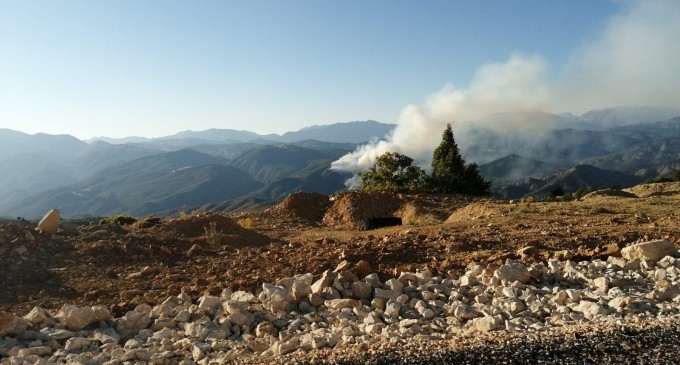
[[478, 210], [350, 207], [125, 266]]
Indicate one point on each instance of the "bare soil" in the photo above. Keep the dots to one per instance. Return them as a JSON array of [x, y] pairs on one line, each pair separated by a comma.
[[123, 266]]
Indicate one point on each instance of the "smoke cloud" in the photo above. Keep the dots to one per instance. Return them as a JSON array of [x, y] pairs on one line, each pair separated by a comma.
[[632, 62]]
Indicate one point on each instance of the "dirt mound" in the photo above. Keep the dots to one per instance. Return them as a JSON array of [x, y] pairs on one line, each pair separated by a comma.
[[420, 209], [413, 214], [350, 207], [308, 206], [478, 210], [214, 229], [609, 192], [656, 189]]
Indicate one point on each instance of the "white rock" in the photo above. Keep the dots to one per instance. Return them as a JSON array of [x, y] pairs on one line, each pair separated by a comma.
[[232, 306], [35, 351], [50, 222], [650, 250], [265, 329], [56, 333], [76, 344], [106, 335], [666, 290], [467, 280], [137, 354], [342, 303], [617, 261], [513, 272], [183, 316], [76, 318], [324, 282], [395, 285], [666, 262], [277, 298], [283, 348], [590, 309], [36, 315], [428, 313], [392, 309], [243, 296], [406, 277], [160, 323], [242, 318], [486, 324], [465, 312], [101, 313], [134, 321], [301, 289], [601, 284], [209, 303], [361, 290], [618, 302], [573, 294]]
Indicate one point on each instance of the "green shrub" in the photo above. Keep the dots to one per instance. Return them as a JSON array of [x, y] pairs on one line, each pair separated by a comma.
[[148, 222], [121, 220]]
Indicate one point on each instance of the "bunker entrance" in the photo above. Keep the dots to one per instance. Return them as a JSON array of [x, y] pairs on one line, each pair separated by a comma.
[[368, 224]]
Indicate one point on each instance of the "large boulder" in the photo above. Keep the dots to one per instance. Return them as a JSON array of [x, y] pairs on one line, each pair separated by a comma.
[[50, 222], [650, 250]]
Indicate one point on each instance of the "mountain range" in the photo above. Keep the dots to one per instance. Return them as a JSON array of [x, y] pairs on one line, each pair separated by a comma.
[[523, 154], [184, 171]]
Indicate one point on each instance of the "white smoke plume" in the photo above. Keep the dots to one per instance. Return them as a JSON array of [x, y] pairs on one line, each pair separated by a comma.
[[633, 61]]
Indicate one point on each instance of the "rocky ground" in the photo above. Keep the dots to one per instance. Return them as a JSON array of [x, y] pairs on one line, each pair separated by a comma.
[[547, 280]]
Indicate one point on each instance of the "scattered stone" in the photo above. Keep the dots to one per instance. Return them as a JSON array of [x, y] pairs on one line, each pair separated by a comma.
[[340, 309]]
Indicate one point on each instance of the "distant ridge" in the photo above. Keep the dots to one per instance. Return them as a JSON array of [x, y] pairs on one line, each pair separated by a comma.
[[346, 132]]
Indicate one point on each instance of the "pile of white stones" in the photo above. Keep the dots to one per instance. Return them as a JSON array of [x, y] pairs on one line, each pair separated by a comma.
[[299, 313]]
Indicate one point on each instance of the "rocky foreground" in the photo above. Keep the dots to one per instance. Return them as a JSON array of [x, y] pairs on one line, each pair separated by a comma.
[[624, 309]]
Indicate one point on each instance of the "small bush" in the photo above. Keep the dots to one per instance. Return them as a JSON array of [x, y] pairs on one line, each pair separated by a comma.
[[212, 236], [121, 220], [247, 223], [149, 222]]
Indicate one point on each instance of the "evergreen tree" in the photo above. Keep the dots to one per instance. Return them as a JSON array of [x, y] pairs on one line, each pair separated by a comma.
[[450, 173]]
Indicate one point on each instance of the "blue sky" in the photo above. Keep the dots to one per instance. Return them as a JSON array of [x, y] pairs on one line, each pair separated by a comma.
[[153, 68]]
